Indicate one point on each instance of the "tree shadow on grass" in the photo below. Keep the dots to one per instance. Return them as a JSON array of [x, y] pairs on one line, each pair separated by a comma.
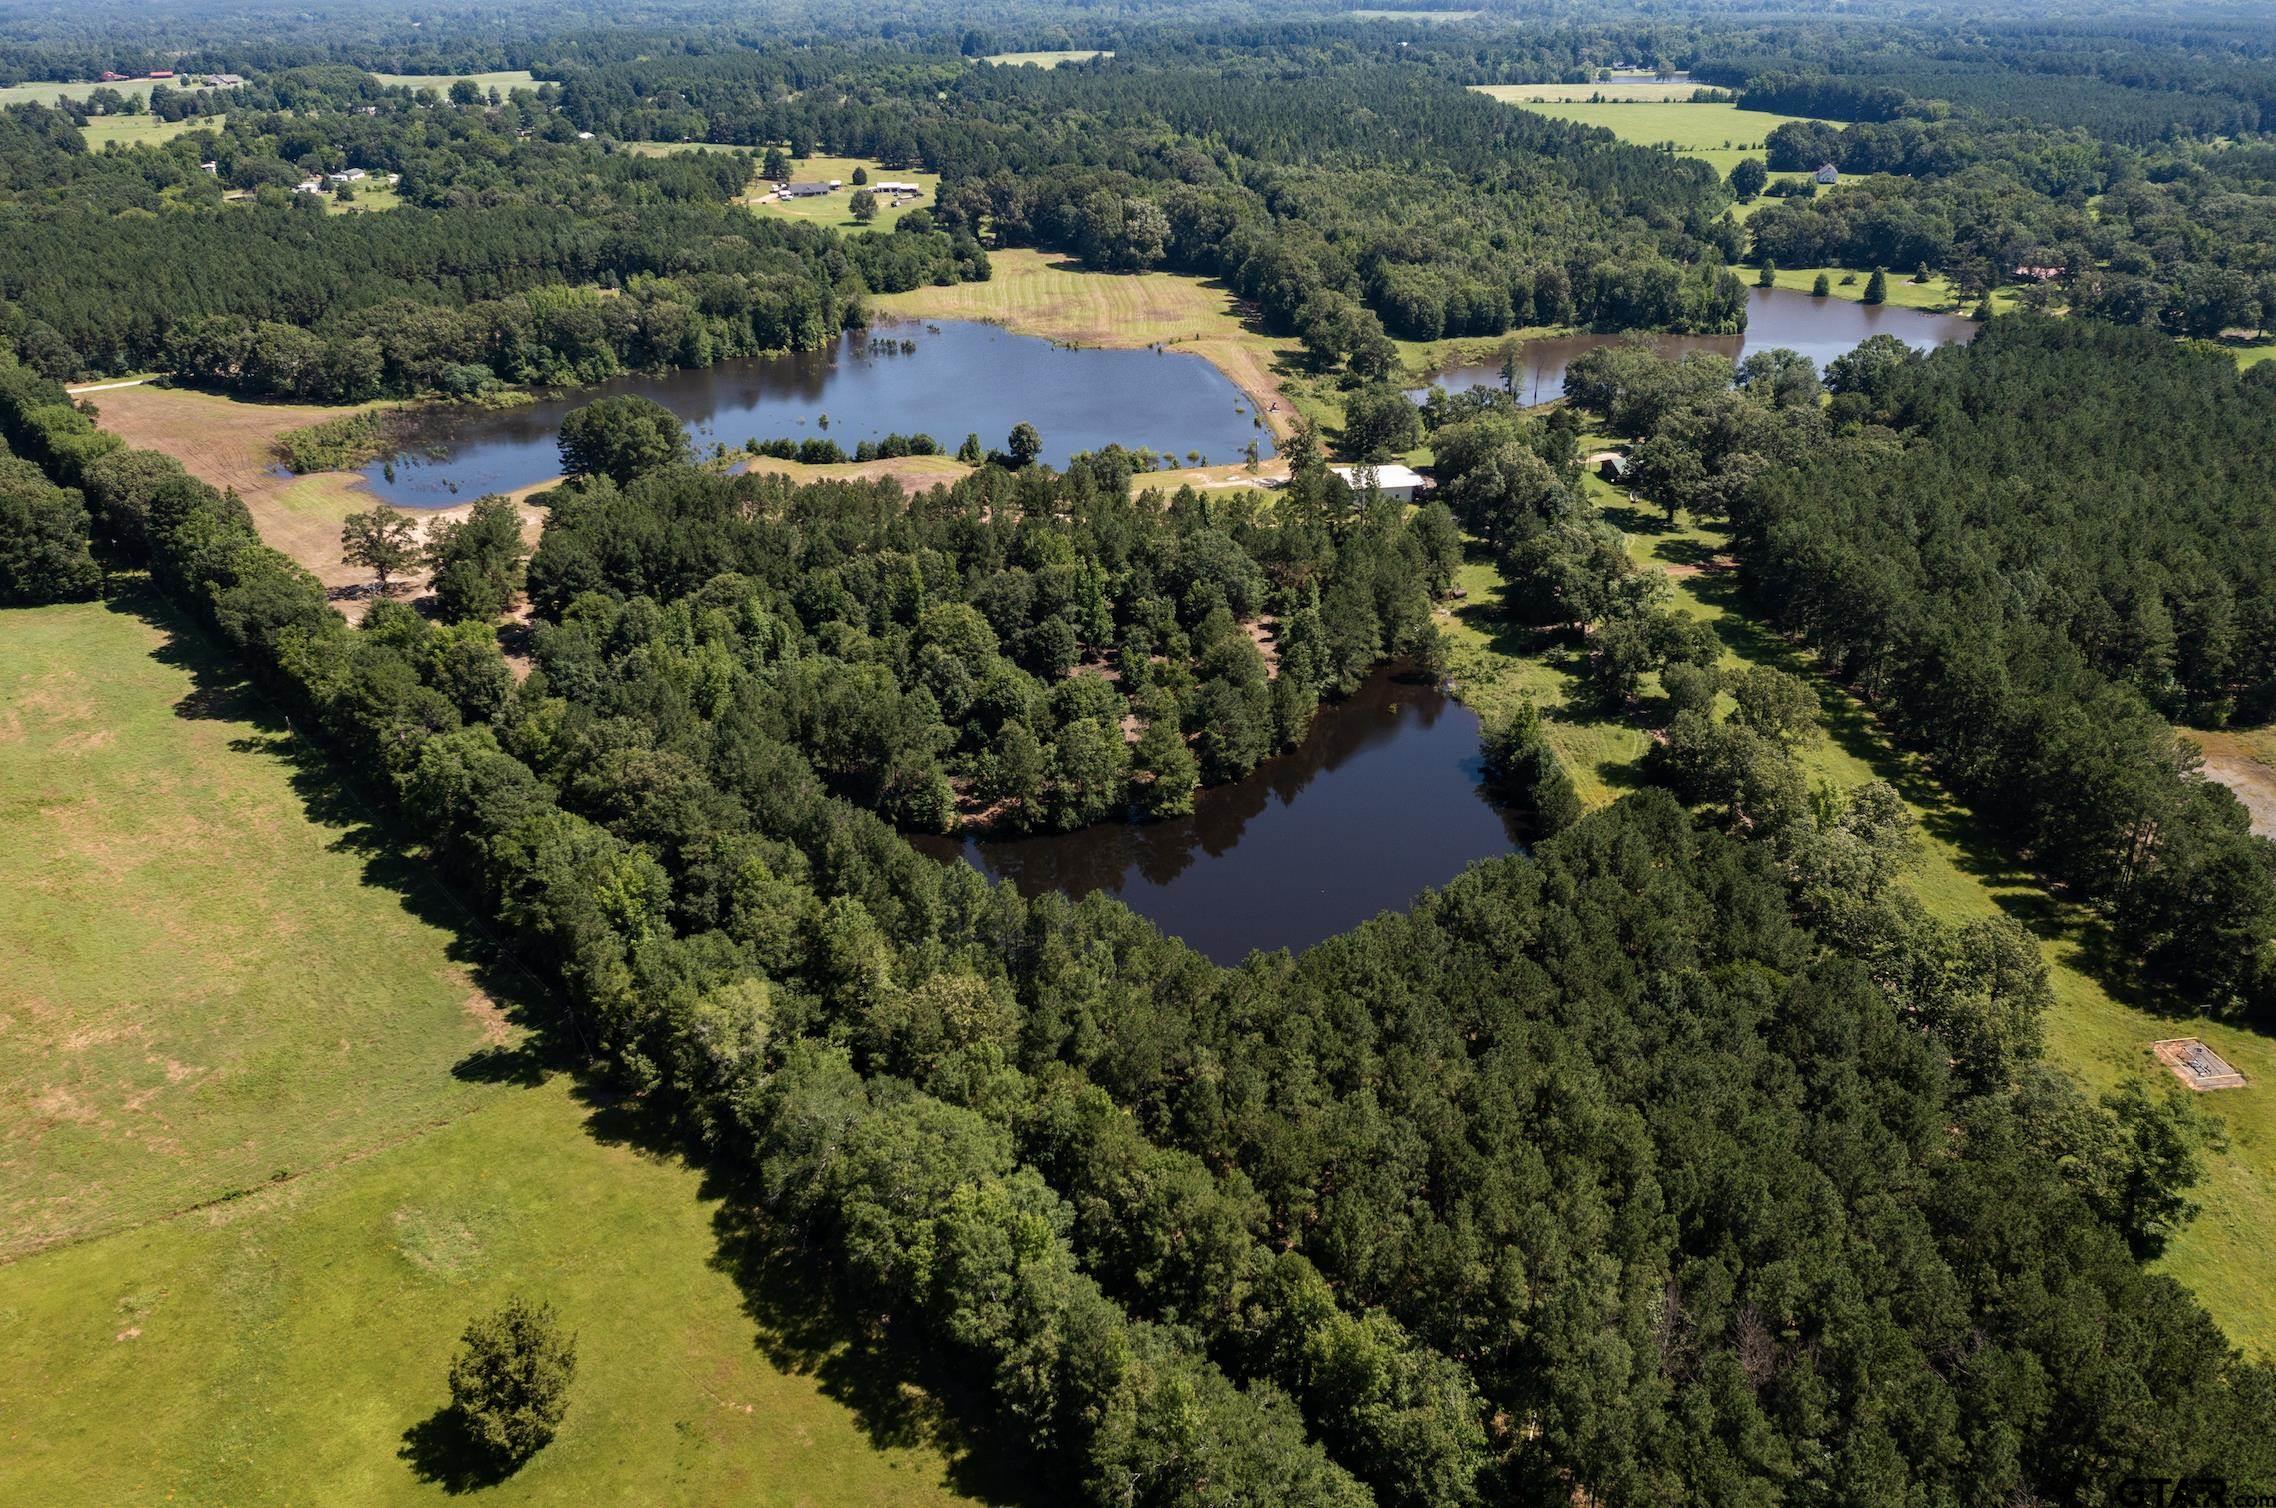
[[900, 1396], [360, 824], [439, 1450]]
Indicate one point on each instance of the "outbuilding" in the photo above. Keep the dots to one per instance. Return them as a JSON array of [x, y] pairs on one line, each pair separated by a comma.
[[1827, 173], [1402, 484]]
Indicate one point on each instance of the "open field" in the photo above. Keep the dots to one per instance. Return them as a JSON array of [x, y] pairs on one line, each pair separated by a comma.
[[1041, 293], [1962, 873], [140, 130], [2244, 760], [1615, 91], [294, 1146], [1045, 59], [372, 196], [290, 1347], [1718, 135], [834, 209], [212, 981], [506, 80], [914, 473], [48, 94], [1937, 295]]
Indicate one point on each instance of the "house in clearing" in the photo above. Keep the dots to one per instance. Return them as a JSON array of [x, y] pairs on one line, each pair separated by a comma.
[[802, 191], [1828, 173], [1401, 484], [897, 189]]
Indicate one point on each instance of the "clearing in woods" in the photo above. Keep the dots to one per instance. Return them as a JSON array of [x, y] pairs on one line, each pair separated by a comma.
[[1716, 134], [505, 81], [2097, 1033], [1045, 59], [281, 1145], [232, 443]]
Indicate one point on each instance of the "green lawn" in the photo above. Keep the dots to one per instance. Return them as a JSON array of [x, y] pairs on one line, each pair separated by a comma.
[[372, 195], [505, 81], [1638, 91], [1716, 134], [217, 974], [1045, 59], [48, 94], [272, 1142], [1963, 872], [834, 209], [139, 130], [290, 1347], [1937, 295]]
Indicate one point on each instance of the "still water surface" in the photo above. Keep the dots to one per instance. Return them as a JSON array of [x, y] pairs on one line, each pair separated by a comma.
[[959, 378], [1819, 328], [1384, 799]]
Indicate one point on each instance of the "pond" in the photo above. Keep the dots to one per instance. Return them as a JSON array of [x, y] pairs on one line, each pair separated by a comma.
[[1819, 328], [1384, 799], [946, 379]]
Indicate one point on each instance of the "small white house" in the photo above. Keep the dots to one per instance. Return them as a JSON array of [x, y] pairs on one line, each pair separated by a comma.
[[896, 188], [1827, 173], [1401, 484], [309, 186]]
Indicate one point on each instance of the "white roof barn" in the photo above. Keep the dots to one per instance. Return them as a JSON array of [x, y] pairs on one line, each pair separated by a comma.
[[1394, 481]]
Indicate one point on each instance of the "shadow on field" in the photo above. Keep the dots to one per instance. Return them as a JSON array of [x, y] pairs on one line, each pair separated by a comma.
[[439, 1450], [901, 1397], [221, 691]]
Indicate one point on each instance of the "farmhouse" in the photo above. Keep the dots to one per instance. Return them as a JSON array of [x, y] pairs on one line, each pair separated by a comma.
[[1399, 483], [802, 190], [1828, 173], [224, 81], [897, 189]]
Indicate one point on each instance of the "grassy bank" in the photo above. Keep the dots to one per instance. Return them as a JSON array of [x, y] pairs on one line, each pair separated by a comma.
[[1041, 293], [2097, 1034], [291, 1143]]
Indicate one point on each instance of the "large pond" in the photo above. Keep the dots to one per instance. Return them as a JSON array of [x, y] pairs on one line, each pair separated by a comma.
[[1819, 328], [945, 379], [1384, 799]]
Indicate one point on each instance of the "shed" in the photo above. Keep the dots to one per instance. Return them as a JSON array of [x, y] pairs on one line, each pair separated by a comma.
[[1399, 483], [1828, 173]]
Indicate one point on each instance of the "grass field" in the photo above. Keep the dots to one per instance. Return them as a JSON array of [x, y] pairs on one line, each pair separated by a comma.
[[140, 130], [1962, 873], [211, 983], [1040, 293], [220, 971], [1937, 295], [48, 94], [1631, 91], [373, 196], [1045, 59], [835, 209], [1716, 134], [506, 81]]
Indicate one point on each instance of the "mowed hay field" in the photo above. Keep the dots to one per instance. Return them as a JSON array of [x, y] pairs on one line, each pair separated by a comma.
[[221, 972], [1719, 135], [1041, 293], [1962, 873], [1637, 91], [506, 81], [216, 976], [140, 130]]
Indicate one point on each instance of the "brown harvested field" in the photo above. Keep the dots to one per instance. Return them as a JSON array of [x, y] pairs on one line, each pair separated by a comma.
[[2244, 760], [1041, 293], [232, 443]]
